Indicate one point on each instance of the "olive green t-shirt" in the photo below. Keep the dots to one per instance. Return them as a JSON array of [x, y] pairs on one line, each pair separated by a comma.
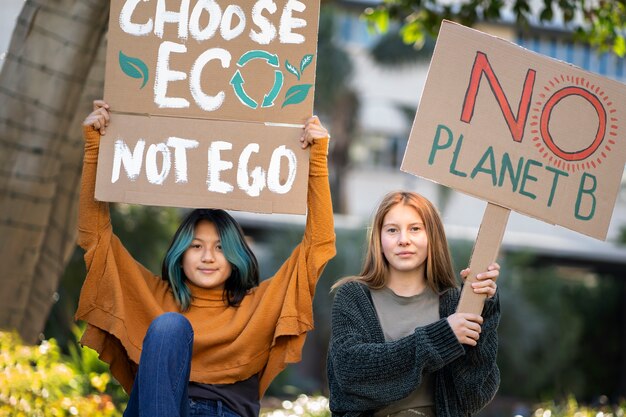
[[399, 317]]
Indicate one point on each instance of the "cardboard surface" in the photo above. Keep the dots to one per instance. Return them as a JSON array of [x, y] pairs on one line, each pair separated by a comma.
[[521, 130], [183, 69], [231, 165], [252, 60], [484, 253]]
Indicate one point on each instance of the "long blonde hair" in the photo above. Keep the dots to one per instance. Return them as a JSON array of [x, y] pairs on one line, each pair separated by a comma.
[[439, 273]]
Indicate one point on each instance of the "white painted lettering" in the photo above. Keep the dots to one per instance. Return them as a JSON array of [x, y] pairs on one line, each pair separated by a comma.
[[228, 32], [164, 75], [205, 101], [243, 174], [152, 170], [273, 172], [216, 166], [215, 16], [180, 146], [268, 31], [163, 16], [135, 29], [131, 161], [288, 22]]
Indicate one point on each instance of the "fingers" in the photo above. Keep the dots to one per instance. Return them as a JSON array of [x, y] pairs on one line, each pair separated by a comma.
[[487, 287], [99, 118], [493, 271], [100, 103], [313, 120], [466, 327], [485, 281], [465, 273], [313, 130]]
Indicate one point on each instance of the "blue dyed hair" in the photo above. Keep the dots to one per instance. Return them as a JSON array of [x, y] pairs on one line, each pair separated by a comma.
[[245, 268]]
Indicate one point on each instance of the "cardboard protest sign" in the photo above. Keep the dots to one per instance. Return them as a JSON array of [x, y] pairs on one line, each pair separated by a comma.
[[171, 162], [520, 130], [179, 70], [213, 59]]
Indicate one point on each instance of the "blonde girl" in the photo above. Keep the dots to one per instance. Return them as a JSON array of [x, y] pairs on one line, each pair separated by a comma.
[[397, 347]]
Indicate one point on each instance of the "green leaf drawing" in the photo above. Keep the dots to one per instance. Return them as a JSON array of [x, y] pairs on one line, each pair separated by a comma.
[[134, 67], [306, 60], [296, 94], [292, 69]]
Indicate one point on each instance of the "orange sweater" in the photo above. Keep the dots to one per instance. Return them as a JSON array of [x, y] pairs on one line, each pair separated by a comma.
[[120, 297]]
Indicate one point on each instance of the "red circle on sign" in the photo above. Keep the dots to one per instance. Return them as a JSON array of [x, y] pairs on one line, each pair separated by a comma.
[[545, 118]]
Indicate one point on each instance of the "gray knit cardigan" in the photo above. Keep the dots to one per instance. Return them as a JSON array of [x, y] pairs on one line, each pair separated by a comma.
[[365, 373]]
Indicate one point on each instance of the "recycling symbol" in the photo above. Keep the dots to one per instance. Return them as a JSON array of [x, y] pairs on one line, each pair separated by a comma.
[[237, 81]]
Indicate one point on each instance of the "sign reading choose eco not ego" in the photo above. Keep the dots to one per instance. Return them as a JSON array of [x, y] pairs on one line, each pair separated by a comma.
[[520, 130], [208, 99]]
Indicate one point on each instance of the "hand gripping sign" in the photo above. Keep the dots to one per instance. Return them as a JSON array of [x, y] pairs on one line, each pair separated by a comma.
[[209, 97], [521, 131]]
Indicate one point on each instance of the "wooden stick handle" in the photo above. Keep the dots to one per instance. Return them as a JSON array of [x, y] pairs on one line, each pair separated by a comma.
[[484, 254]]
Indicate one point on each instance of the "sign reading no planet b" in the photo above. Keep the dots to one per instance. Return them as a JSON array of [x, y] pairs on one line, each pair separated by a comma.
[[208, 99], [520, 130]]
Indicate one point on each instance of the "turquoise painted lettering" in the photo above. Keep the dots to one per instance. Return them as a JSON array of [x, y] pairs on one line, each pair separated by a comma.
[[528, 177], [555, 180], [455, 158], [490, 169], [584, 188], [507, 167], [437, 145]]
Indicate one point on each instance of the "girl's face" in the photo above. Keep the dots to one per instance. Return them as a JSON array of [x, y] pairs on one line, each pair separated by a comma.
[[403, 239], [204, 262]]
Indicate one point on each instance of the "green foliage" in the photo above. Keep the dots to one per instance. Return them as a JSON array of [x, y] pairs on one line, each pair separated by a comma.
[[350, 249], [303, 406], [145, 231], [85, 361], [571, 408], [603, 25], [538, 329], [334, 67], [559, 331], [35, 381], [621, 240], [391, 50]]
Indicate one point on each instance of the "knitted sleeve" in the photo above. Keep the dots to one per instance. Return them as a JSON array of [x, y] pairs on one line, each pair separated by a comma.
[[475, 377], [119, 296], [93, 216], [288, 301], [365, 372]]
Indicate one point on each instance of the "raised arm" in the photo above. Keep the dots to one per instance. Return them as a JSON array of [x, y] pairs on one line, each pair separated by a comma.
[[93, 216], [288, 298], [318, 242]]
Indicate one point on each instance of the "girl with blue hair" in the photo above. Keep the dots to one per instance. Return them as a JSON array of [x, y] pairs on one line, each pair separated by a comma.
[[206, 338]]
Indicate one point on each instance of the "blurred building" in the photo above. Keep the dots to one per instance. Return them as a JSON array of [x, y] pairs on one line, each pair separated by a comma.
[[386, 93], [388, 96], [9, 9]]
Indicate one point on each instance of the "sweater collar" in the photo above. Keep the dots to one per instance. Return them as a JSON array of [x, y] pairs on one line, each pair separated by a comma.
[[206, 297]]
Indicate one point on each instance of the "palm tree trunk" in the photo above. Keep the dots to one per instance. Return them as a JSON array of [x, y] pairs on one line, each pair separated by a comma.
[[53, 70]]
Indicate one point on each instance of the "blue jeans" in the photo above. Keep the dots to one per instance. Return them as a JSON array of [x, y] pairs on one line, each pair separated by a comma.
[[160, 387]]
